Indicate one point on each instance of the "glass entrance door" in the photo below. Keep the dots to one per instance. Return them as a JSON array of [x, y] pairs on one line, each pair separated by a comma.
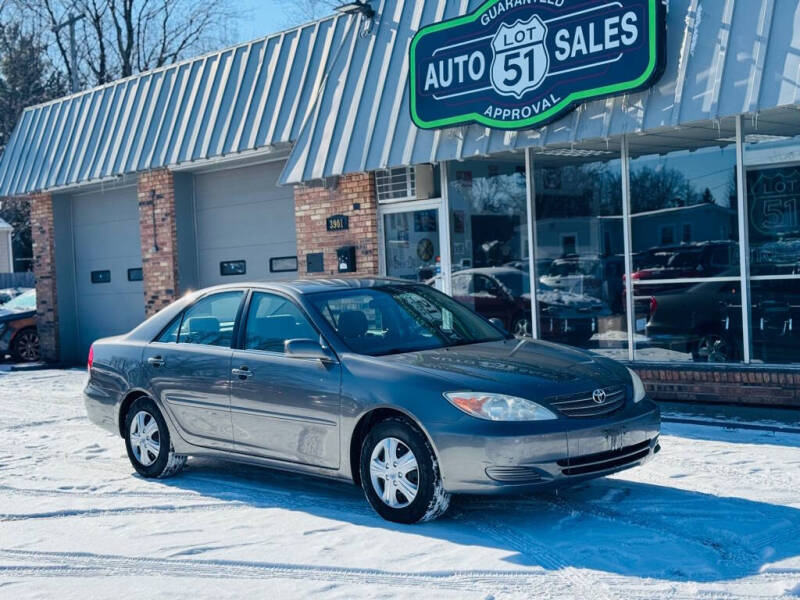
[[412, 245]]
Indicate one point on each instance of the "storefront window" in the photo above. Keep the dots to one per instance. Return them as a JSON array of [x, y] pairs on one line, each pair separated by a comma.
[[412, 244], [489, 238], [580, 252], [685, 242], [773, 208]]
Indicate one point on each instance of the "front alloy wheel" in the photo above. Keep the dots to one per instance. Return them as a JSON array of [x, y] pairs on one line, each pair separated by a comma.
[[400, 474], [394, 473], [26, 346], [521, 327]]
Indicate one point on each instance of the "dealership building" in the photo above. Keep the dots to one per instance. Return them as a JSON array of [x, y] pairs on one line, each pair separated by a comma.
[[620, 176]]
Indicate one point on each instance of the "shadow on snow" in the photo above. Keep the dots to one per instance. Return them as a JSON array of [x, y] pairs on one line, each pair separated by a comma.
[[609, 525]]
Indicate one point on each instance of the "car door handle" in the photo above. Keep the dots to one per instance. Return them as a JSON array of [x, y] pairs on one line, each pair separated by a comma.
[[242, 373], [156, 361]]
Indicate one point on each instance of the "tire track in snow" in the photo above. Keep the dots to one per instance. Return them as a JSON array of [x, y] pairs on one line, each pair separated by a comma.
[[64, 564], [104, 512], [523, 541]]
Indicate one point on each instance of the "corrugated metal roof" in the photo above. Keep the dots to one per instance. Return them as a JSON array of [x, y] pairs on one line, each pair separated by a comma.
[[724, 58], [249, 97]]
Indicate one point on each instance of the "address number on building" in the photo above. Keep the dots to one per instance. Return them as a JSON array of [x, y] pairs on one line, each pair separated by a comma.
[[338, 223]]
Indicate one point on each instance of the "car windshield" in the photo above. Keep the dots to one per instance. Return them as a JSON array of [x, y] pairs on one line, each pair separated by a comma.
[[23, 302], [685, 260], [566, 268], [393, 319]]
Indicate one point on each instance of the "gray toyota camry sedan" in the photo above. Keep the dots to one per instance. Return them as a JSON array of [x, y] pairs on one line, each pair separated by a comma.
[[389, 384]]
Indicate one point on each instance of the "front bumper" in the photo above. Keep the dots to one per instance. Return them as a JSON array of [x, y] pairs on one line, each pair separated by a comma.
[[6, 332], [507, 459]]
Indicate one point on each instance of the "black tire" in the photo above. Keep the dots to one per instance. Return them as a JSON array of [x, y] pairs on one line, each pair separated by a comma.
[[431, 500], [166, 463], [25, 347]]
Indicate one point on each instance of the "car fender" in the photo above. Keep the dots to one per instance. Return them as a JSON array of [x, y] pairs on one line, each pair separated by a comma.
[[347, 436]]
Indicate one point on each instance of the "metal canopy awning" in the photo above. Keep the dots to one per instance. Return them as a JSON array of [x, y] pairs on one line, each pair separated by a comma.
[[235, 102], [724, 58]]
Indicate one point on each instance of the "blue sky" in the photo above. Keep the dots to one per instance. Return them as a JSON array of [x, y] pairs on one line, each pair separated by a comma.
[[259, 18]]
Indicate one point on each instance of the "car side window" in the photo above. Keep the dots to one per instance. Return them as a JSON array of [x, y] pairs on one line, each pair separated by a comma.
[[170, 335], [272, 320], [210, 321], [461, 285]]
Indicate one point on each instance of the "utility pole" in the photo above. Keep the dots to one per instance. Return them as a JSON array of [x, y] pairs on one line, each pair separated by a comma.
[[73, 50]]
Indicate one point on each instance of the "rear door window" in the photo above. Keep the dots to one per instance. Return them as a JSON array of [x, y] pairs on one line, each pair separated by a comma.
[[210, 322]]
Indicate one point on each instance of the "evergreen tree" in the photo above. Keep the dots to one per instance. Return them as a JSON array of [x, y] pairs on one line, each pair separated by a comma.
[[26, 78]]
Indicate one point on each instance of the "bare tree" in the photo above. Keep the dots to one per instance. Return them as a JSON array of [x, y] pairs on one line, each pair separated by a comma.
[[303, 11], [123, 37]]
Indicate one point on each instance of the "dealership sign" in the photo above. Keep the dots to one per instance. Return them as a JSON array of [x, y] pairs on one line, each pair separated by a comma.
[[518, 64]]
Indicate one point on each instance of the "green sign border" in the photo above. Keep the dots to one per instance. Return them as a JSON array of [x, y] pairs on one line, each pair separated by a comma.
[[541, 118]]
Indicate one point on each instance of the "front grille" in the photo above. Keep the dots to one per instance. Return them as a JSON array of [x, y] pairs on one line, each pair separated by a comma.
[[602, 461], [583, 405]]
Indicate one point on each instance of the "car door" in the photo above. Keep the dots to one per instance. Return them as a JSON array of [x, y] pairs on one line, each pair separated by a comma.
[[189, 369], [490, 300], [283, 407]]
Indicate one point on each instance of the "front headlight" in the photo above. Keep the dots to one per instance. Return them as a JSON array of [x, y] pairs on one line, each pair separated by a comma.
[[638, 387], [498, 407]]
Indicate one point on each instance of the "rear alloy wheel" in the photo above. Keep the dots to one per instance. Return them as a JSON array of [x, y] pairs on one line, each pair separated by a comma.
[[26, 346], [400, 474], [713, 348], [148, 443]]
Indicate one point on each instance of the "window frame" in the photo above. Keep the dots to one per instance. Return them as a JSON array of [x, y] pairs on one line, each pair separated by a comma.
[[180, 316], [240, 337]]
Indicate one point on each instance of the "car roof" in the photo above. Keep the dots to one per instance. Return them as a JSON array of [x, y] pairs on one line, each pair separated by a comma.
[[312, 286]]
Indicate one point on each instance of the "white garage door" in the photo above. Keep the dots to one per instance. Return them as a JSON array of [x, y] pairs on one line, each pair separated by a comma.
[[107, 245], [243, 216]]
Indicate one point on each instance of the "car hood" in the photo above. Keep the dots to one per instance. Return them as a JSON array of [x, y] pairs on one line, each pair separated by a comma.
[[518, 367]]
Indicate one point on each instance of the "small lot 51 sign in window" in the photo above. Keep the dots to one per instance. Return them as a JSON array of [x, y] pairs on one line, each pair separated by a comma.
[[518, 64]]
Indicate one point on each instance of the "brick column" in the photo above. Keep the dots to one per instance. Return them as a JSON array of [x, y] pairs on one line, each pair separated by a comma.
[[44, 268], [353, 196], [159, 237]]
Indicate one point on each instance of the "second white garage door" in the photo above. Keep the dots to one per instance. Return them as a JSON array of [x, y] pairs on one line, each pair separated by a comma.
[[243, 219]]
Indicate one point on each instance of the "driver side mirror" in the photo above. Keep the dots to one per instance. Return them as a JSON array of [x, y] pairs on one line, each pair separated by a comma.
[[308, 349], [498, 325]]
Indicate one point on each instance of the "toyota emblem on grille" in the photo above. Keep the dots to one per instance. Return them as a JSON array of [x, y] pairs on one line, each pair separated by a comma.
[[599, 396]]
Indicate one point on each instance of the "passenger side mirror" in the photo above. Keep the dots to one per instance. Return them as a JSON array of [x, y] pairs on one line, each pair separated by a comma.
[[308, 349]]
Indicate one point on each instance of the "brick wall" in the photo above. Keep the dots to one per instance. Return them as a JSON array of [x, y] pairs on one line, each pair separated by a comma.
[[722, 384], [313, 205], [159, 241], [44, 268]]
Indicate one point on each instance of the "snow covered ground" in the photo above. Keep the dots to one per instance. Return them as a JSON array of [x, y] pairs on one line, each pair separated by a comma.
[[716, 514]]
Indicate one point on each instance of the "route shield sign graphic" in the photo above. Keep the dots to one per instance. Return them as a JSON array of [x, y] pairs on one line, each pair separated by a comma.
[[520, 58], [519, 64]]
